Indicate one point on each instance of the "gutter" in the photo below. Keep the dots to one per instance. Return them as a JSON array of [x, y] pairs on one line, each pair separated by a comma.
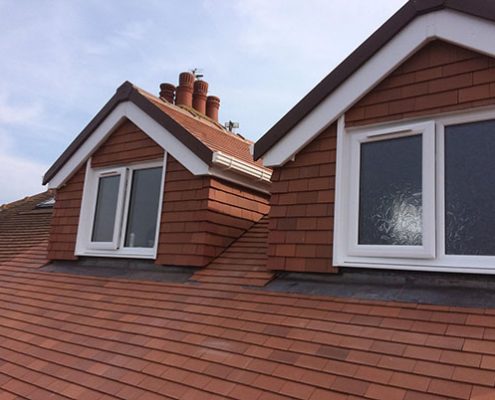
[[231, 163]]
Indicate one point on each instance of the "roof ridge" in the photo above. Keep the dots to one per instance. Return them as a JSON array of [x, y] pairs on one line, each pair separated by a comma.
[[193, 113], [15, 203]]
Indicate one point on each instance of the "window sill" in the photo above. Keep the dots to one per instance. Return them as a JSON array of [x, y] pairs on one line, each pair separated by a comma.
[[118, 254]]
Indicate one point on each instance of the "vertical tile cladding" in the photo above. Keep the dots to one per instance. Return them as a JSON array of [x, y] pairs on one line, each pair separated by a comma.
[[302, 206], [63, 231], [202, 216], [440, 77], [126, 145]]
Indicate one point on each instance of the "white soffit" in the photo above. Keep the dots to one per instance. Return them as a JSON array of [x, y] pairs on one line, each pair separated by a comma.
[[154, 130], [460, 29]]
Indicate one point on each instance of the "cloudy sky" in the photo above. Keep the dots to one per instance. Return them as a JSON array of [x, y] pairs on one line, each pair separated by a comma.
[[61, 60]]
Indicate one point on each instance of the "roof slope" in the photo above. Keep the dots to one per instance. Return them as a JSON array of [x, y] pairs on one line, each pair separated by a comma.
[[480, 8], [68, 336], [79, 337], [200, 134], [22, 225]]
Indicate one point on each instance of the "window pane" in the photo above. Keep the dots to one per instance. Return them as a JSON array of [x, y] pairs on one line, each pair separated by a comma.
[[470, 189], [143, 208], [106, 208], [390, 192]]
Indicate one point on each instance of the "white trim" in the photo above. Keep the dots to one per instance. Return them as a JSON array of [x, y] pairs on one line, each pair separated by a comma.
[[84, 246], [441, 262], [155, 131], [96, 176], [460, 29], [232, 163], [162, 137]]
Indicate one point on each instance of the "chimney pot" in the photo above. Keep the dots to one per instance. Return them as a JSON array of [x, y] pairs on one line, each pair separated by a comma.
[[212, 107], [184, 94], [167, 91], [199, 96]]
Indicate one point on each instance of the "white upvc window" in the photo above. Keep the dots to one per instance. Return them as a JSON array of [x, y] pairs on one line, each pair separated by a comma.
[[418, 194], [392, 192], [120, 211]]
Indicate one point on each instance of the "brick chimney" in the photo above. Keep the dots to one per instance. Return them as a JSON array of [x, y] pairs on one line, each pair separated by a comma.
[[199, 96], [212, 107], [184, 94], [167, 92]]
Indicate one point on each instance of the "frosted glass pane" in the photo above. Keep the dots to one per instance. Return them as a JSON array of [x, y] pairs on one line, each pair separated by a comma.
[[106, 208], [390, 192], [143, 208], [470, 189]]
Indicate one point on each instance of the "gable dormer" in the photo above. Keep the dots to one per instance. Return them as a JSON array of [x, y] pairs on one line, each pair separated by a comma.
[[155, 178]]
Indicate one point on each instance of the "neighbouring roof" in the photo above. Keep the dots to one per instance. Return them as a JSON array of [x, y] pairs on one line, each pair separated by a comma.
[[197, 132], [23, 224], [414, 8]]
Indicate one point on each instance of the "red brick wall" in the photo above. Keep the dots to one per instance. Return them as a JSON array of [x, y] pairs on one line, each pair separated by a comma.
[[302, 205], [439, 78], [201, 216]]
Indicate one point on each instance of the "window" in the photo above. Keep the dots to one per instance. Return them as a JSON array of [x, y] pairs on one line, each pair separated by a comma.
[[392, 192], [418, 195], [121, 210]]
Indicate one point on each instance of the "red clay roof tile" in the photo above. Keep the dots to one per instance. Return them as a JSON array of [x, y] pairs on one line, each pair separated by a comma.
[[80, 337]]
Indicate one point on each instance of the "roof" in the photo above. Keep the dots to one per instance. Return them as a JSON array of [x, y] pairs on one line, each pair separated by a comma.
[[68, 336], [198, 133], [79, 337], [22, 224], [414, 8]]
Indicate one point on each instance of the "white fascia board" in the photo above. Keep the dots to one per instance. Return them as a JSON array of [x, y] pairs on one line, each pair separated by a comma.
[[227, 162], [148, 125], [460, 29]]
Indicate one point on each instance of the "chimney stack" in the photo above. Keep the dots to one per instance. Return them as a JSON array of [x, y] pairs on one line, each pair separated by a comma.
[[212, 107], [184, 94], [199, 96], [167, 91]]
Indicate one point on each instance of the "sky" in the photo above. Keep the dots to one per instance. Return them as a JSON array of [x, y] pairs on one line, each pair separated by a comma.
[[62, 60]]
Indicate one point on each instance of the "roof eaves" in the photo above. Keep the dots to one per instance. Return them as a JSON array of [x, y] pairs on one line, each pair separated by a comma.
[[127, 92], [333, 80], [411, 10], [122, 94]]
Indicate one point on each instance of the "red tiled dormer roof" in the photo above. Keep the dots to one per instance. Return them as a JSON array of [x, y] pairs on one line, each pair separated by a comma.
[[207, 131], [201, 135]]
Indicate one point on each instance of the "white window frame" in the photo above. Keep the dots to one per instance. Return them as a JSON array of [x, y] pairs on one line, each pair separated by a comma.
[[114, 243], [343, 253], [84, 245], [357, 139]]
